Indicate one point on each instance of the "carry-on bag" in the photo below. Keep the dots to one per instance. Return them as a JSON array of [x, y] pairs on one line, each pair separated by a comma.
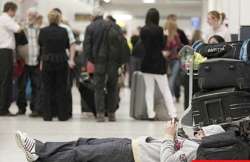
[[224, 73], [219, 50], [221, 106], [138, 106], [86, 89]]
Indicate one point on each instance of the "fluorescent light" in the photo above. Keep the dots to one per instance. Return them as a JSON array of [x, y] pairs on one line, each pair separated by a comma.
[[148, 1], [107, 1], [123, 17]]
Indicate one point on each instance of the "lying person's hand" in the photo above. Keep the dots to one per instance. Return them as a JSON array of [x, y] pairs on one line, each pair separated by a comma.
[[171, 128]]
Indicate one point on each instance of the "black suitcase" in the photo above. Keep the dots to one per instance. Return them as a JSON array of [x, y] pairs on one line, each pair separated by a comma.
[[221, 106], [86, 89], [224, 73]]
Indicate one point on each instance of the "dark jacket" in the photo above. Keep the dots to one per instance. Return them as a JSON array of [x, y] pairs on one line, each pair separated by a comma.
[[53, 41], [153, 40], [183, 37], [103, 44], [93, 39]]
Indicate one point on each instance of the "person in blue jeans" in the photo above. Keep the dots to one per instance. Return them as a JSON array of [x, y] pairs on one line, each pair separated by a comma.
[[173, 45]]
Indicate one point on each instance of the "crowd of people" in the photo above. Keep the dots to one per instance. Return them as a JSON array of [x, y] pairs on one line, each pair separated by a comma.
[[45, 57]]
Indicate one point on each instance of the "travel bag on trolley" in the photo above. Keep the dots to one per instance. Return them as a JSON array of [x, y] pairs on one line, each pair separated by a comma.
[[216, 106]]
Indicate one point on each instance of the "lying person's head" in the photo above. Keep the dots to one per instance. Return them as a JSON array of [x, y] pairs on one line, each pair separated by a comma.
[[199, 133], [215, 39]]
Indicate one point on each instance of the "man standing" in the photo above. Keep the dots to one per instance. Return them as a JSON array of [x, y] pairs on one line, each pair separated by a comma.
[[7, 45], [31, 69], [106, 66]]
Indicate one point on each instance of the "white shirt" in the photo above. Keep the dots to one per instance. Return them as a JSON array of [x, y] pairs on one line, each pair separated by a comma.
[[7, 29], [70, 33], [221, 31], [33, 47]]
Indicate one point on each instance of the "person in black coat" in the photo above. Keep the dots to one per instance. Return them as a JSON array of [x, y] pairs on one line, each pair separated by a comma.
[[154, 64], [54, 41]]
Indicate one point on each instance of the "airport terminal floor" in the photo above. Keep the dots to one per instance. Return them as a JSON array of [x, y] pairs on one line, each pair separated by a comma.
[[78, 127]]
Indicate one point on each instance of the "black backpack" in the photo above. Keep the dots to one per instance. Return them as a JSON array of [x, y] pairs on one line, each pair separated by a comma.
[[225, 146], [116, 45]]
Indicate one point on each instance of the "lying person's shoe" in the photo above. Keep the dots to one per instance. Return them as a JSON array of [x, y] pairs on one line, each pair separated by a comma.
[[27, 145]]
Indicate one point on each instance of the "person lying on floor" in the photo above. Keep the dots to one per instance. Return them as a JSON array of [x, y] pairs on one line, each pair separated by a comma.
[[143, 149]]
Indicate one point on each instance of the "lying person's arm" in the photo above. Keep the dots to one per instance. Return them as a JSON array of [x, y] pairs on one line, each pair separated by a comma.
[[167, 148], [168, 153]]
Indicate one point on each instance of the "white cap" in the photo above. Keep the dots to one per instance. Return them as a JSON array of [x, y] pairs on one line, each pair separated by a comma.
[[212, 129], [98, 11]]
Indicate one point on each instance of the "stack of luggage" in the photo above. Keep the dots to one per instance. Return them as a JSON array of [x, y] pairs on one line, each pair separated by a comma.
[[224, 82]]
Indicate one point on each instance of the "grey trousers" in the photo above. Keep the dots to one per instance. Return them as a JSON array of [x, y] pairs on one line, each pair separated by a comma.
[[6, 71], [106, 88], [86, 150]]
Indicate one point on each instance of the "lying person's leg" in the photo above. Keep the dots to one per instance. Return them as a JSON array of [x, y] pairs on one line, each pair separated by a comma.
[[83, 150]]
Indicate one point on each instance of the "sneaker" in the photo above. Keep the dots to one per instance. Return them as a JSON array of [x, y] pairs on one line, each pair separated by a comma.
[[100, 117], [26, 144], [111, 117]]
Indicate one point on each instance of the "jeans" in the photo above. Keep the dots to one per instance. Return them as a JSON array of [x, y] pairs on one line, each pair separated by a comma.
[[175, 69], [32, 73], [86, 150]]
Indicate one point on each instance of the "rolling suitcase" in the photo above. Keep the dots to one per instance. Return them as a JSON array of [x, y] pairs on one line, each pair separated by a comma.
[[138, 107], [86, 89], [224, 73], [221, 106]]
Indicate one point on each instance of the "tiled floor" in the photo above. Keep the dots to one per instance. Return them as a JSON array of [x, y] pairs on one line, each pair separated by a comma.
[[70, 130]]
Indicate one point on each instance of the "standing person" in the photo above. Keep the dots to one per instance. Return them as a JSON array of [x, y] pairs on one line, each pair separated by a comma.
[[7, 46], [106, 64], [182, 35], [31, 69], [173, 45], [154, 64], [54, 42], [215, 21], [71, 62], [197, 35], [184, 41]]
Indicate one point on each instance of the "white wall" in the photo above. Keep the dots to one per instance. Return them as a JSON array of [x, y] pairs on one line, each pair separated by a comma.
[[237, 12], [68, 7]]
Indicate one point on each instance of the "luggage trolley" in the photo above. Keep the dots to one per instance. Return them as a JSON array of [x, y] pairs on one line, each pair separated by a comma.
[[186, 121]]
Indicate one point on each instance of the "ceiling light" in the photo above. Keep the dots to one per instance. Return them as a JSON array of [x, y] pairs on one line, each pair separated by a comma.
[[107, 1], [123, 17], [148, 1]]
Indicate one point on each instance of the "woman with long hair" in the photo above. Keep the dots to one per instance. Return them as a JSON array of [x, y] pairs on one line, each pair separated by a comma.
[[173, 45], [154, 64]]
